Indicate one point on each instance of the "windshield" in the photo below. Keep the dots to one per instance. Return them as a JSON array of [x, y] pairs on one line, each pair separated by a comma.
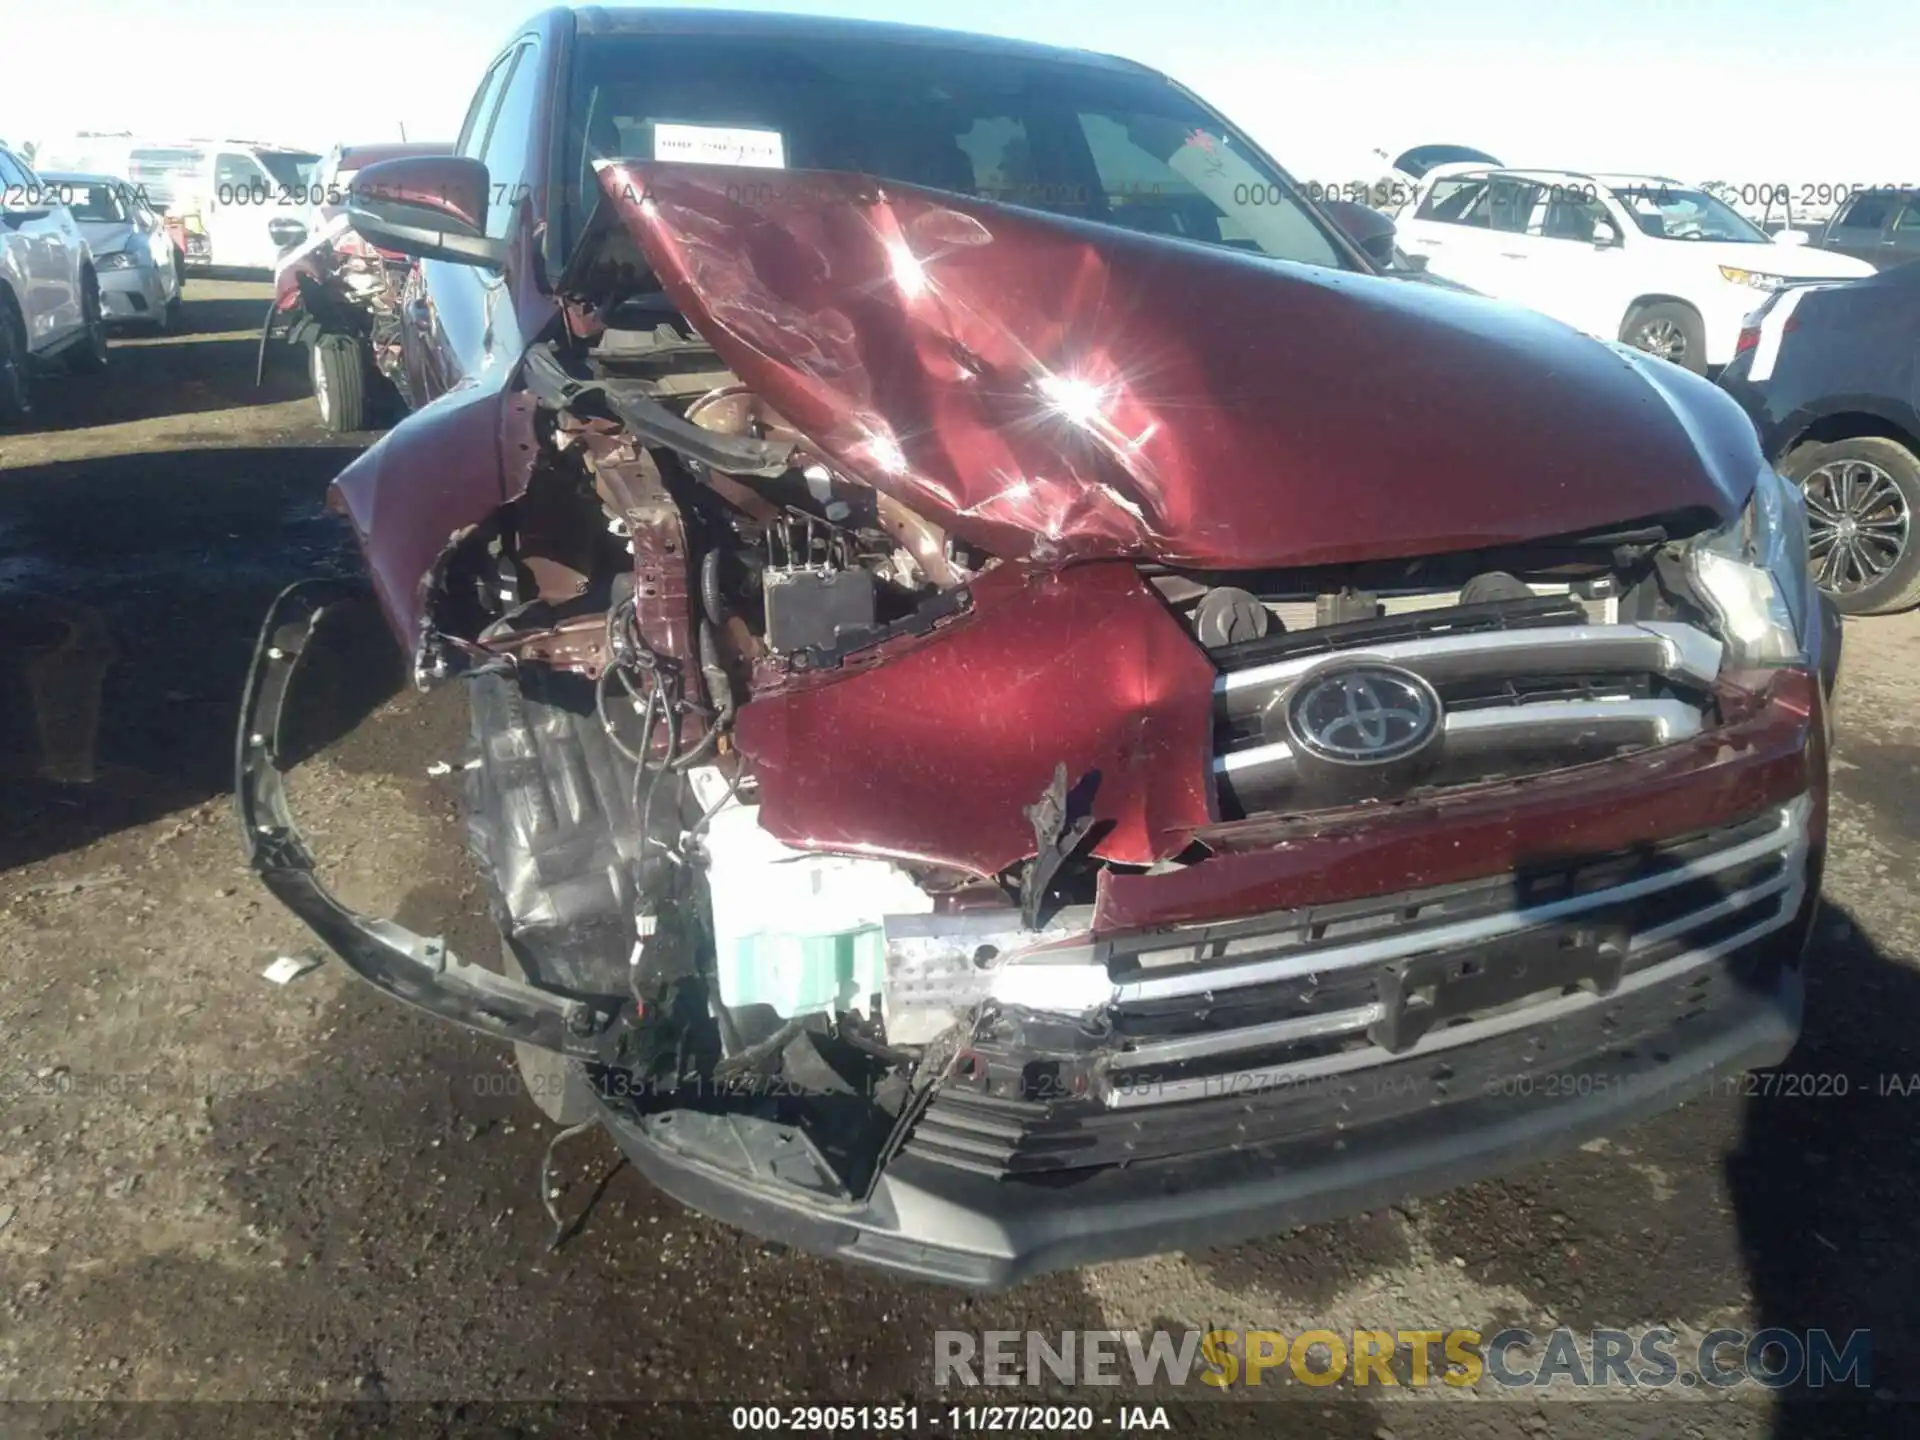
[[1667, 212], [1113, 147], [288, 168], [166, 176], [93, 202]]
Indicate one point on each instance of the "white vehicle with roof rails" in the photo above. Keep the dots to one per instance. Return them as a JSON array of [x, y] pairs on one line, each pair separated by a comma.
[[1644, 259]]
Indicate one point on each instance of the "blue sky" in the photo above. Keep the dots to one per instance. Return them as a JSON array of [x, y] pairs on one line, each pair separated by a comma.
[[1803, 91]]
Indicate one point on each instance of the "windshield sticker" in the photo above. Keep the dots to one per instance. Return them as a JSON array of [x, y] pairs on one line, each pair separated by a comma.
[[719, 145]]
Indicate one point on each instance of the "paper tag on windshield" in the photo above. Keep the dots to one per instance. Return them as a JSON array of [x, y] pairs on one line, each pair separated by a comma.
[[720, 145]]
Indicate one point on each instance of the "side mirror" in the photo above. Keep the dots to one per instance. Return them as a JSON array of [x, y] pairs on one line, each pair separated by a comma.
[[1790, 237], [1606, 235], [20, 213], [432, 207], [286, 232], [1365, 226]]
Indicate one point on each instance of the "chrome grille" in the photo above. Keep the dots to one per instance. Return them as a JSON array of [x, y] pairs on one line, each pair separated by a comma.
[[1270, 1012], [1526, 686]]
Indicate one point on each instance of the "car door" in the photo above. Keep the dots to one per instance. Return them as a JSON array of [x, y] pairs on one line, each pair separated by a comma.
[[238, 212], [1860, 224], [1578, 265], [154, 237], [48, 248], [1450, 228], [1901, 244], [1518, 261]]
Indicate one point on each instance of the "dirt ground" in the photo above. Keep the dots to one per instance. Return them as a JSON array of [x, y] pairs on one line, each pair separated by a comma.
[[216, 1188]]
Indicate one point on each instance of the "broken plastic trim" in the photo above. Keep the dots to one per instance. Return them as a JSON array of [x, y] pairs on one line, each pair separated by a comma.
[[417, 969]]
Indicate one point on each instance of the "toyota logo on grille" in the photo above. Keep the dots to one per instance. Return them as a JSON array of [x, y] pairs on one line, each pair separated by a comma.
[[1363, 714]]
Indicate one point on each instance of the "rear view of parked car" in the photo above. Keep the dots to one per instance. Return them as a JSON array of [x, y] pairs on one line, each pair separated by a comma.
[[1662, 266], [340, 298], [1027, 704], [133, 254], [1831, 377], [50, 308]]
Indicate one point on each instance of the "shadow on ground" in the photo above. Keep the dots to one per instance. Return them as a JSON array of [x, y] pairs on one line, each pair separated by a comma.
[[1824, 1181], [132, 587], [207, 364]]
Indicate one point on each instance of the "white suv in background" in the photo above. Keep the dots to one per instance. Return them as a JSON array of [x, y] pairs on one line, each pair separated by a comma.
[[1661, 265], [49, 294]]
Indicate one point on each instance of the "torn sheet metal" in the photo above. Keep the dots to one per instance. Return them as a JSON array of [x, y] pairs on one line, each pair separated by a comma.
[[933, 755]]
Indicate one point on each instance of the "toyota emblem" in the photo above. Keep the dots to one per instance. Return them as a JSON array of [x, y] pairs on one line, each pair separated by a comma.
[[1363, 714]]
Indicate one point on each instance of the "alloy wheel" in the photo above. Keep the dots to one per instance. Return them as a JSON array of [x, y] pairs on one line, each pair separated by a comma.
[[1663, 339], [1858, 524]]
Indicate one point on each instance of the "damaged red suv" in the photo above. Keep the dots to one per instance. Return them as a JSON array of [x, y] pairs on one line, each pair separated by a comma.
[[1029, 706]]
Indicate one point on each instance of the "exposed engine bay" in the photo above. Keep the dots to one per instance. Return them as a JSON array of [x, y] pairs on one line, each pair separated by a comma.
[[823, 769], [681, 553]]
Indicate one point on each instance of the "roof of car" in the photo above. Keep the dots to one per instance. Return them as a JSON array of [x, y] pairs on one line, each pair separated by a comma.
[[84, 177], [266, 147], [363, 155], [741, 24], [1627, 181], [1611, 181]]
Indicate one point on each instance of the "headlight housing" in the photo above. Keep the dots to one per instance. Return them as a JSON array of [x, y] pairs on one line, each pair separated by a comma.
[[116, 260], [1753, 279], [1753, 575]]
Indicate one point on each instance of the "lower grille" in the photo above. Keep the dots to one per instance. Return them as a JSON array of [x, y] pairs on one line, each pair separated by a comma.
[[1228, 1035]]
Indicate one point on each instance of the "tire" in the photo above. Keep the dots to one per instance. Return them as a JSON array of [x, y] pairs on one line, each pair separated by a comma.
[[16, 385], [557, 1085], [1871, 566], [89, 357], [169, 320], [339, 371], [1670, 330]]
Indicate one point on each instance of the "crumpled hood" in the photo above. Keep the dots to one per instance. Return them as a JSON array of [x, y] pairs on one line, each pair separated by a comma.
[[104, 237], [1060, 389]]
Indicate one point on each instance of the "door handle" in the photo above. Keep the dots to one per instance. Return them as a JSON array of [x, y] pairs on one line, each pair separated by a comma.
[[1511, 255], [1423, 240]]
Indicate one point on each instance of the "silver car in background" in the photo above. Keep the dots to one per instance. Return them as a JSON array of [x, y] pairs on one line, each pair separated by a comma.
[[132, 252]]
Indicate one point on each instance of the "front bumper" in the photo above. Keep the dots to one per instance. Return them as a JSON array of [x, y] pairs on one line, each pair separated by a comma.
[[1495, 1108], [980, 1188], [136, 294], [418, 969]]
